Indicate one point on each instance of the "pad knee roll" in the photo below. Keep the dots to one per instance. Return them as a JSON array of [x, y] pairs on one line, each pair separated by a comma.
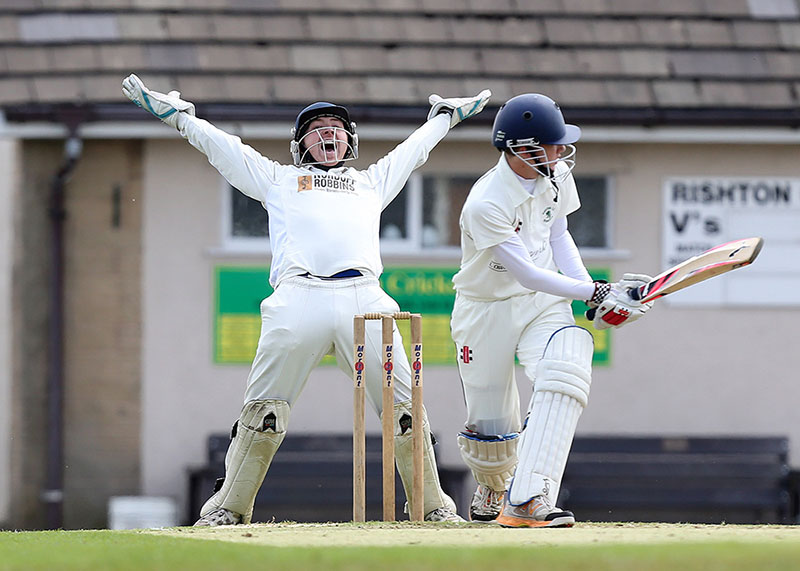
[[492, 459], [257, 435]]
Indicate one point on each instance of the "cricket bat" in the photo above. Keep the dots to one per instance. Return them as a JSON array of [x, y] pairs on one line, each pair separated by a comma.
[[713, 262]]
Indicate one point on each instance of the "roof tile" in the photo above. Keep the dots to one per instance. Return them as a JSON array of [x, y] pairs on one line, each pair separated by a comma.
[[275, 27], [189, 27], [345, 90], [755, 34], [102, 88], [28, 59], [160, 57], [503, 61], [784, 65], [75, 58], [525, 31], [709, 33], [474, 30], [8, 29], [637, 63], [378, 28], [142, 27], [580, 92], [561, 31], [316, 58], [715, 64], [46, 28], [329, 27], [428, 29], [616, 32], [292, 89], [55, 89], [398, 90], [359, 59], [738, 94], [241, 28], [247, 88], [627, 93], [670, 93], [122, 57], [670, 32], [789, 34], [599, 62], [14, 91], [730, 8], [413, 59]]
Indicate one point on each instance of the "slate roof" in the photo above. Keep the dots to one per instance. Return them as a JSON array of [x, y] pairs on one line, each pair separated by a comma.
[[726, 62]]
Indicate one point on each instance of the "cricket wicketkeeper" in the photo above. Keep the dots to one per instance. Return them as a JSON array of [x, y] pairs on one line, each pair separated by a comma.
[[323, 230]]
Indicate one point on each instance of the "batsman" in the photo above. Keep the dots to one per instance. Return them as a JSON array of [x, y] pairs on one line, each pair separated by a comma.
[[520, 269], [324, 236]]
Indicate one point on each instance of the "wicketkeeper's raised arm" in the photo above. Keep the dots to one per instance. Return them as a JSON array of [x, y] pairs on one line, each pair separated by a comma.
[[392, 171], [241, 165]]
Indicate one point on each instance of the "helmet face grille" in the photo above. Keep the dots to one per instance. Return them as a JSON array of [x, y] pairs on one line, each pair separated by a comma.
[[300, 154]]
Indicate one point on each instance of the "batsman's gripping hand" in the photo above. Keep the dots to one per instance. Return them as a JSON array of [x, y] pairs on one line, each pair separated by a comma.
[[619, 308], [166, 107], [459, 108]]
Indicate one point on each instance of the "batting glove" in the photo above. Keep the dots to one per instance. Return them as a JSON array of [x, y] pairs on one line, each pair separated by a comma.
[[166, 107], [619, 308], [459, 108]]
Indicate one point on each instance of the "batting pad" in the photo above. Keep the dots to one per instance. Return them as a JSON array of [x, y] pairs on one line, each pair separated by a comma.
[[434, 496], [561, 391], [491, 459], [259, 432]]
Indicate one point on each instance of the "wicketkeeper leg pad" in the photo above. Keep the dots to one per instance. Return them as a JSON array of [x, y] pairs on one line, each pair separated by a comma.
[[257, 435], [492, 459], [560, 393], [434, 496]]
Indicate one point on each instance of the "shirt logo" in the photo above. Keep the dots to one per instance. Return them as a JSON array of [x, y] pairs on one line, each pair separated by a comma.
[[325, 183], [547, 215], [466, 354]]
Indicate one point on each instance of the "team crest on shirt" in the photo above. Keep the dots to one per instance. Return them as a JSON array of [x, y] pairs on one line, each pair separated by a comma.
[[326, 183], [547, 215]]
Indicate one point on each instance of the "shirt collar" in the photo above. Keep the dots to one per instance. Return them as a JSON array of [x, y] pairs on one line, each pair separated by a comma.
[[512, 184]]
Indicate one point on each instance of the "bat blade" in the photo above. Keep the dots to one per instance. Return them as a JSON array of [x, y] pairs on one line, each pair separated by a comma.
[[718, 260]]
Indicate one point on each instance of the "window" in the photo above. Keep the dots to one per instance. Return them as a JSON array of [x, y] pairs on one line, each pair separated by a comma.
[[423, 218]]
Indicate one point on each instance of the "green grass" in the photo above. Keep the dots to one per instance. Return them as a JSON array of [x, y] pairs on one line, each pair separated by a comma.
[[124, 550]]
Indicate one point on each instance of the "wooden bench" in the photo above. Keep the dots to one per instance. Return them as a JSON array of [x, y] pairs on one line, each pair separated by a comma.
[[683, 479], [310, 480]]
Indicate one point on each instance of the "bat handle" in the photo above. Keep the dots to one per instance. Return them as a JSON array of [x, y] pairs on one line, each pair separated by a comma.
[[635, 293]]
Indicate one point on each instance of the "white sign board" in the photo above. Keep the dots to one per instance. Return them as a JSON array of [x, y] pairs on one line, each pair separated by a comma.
[[700, 213]]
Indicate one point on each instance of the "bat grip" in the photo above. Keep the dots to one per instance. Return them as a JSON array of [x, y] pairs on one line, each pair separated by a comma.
[[635, 293]]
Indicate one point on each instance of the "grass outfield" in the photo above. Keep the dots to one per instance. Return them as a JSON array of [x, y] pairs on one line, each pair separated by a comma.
[[406, 546]]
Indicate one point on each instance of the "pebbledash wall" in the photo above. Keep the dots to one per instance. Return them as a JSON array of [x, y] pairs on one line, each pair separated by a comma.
[[685, 369], [8, 186]]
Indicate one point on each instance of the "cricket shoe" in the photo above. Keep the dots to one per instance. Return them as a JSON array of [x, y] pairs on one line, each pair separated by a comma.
[[537, 512], [486, 505], [444, 514], [219, 516]]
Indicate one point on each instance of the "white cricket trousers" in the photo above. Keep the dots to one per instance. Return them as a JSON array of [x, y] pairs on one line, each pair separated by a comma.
[[305, 319], [488, 335]]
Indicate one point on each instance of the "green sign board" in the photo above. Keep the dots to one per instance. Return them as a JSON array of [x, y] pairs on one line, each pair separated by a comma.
[[426, 290]]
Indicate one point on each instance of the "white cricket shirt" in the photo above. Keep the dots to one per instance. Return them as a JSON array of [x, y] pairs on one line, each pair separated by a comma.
[[320, 222], [498, 207]]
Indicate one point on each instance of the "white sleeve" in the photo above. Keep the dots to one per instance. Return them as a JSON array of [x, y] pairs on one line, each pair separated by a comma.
[[245, 168], [565, 252], [391, 173], [514, 256]]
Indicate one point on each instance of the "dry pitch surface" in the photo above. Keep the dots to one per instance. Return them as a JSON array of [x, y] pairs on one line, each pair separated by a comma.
[[405, 533]]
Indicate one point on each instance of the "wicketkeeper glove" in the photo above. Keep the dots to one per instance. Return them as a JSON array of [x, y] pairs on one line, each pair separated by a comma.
[[459, 108], [619, 308], [166, 107]]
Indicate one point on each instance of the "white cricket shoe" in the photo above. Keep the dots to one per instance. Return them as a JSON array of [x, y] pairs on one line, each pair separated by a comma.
[[220, 516], [444, 514], [486, 505], [537, 512]]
